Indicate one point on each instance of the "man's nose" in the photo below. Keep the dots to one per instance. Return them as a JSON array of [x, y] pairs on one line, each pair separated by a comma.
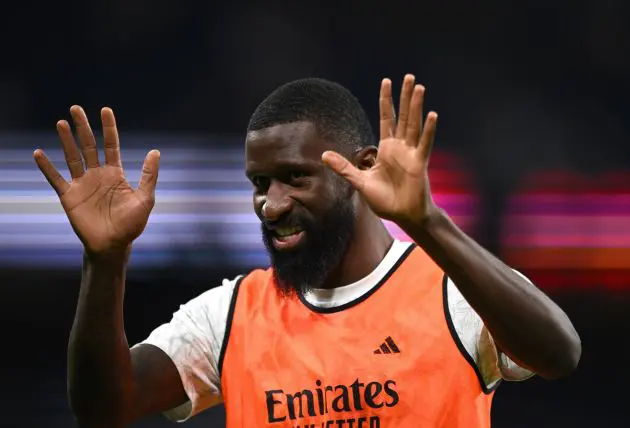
[[277, 203]]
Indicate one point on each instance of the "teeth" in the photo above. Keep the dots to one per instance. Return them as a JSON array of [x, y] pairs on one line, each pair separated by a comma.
[[286, 231]]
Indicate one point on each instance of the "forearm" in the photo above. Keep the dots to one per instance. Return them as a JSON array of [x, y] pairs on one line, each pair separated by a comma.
[[100, 379], [525, 324]]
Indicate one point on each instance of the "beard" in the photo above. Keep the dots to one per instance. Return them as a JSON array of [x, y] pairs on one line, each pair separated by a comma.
[[324, 245]]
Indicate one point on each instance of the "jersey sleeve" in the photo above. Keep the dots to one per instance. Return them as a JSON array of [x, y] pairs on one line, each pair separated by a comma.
[[492, 364], [193, 339]]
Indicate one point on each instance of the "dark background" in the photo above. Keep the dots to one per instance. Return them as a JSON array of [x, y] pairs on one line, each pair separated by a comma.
[[520, 88]]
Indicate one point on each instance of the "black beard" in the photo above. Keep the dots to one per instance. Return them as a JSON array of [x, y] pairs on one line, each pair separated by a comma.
[[325, 244]]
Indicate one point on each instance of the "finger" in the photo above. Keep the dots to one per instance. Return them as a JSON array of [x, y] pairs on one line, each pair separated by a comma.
[[414, 128], [110, 137], [344, 168], [386, 109], [148, 179], [403, 107], [55, 179], [428, 137], [70, 149], [86, 137]]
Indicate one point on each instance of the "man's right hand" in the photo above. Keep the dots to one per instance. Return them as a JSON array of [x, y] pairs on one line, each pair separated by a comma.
[[106, 213]]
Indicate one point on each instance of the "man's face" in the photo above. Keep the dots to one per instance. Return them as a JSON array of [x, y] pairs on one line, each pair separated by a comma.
[[306, 211]]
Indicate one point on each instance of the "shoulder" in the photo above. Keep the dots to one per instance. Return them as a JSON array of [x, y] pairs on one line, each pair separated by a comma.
[[215, 298], [216, 303], [209, 308], [467, 323], [476, 342], [203, 317]]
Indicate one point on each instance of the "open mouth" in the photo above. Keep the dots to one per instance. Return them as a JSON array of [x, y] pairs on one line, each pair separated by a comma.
[[286, 238]]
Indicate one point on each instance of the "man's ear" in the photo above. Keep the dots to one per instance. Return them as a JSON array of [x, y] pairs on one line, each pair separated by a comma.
[[365, 158]]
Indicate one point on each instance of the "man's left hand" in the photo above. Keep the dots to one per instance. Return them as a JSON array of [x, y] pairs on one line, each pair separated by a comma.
[[397, 186]]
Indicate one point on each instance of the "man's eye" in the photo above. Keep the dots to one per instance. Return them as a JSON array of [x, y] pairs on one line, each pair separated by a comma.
[[296, 175], [261, 183]]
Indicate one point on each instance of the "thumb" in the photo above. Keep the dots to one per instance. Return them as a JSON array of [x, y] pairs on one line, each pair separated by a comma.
[[148, 179], [344, 168]]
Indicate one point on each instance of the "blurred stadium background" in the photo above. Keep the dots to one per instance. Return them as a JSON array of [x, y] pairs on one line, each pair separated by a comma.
[[532, 160]]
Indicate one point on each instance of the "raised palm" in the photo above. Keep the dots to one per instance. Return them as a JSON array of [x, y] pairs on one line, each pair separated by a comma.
[[105, 211], [397, 186]]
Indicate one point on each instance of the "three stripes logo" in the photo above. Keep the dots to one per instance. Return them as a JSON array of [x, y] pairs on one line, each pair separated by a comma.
[[388, 347]]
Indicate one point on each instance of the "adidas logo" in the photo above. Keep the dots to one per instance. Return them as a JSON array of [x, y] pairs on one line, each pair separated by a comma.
[[388, 347]]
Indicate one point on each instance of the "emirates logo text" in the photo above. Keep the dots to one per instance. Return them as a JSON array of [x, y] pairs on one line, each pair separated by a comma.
[[314, 403]]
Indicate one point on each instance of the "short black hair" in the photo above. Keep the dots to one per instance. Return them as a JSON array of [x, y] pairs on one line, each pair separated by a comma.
[[336, 113]]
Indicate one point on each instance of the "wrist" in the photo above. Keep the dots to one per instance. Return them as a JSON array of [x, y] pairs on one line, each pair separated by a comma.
[[424, 225], [112, 258]]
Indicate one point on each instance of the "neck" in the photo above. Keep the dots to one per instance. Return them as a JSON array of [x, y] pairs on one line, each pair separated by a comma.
[[368, 247]]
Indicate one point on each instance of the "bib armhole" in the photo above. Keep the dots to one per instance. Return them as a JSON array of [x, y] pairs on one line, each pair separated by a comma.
[[460, 345], [228, 324]]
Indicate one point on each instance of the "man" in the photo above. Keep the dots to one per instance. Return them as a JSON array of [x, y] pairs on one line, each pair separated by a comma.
[[348, 328]]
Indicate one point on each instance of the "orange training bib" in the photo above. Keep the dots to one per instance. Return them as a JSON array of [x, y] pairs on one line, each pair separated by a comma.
[[388, 359]]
